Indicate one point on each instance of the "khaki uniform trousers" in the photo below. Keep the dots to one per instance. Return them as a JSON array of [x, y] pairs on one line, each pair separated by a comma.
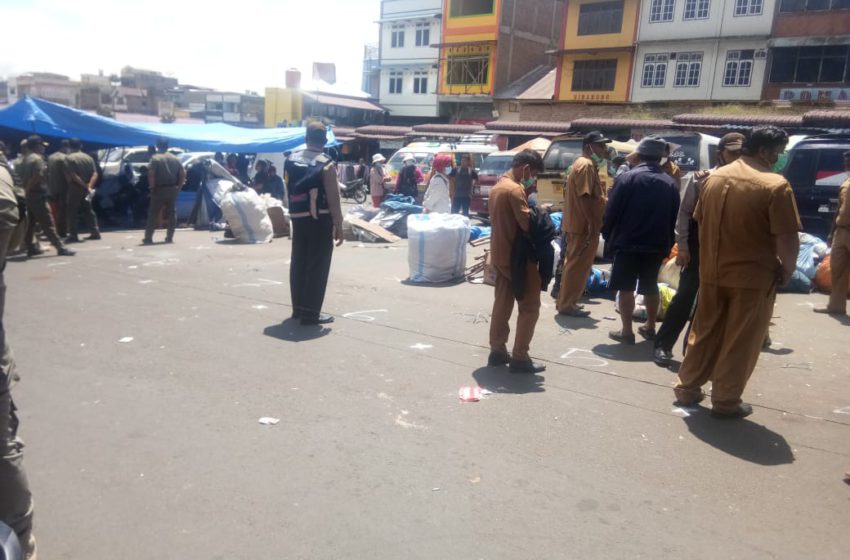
[[581, 250], [724, 345], [39, 214], [78, 207], [162, 198], [503, 306], [839, 268]]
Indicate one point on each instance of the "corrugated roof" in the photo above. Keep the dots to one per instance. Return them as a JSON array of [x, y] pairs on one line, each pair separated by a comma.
[[448, 128], [538, 128], [831, 119], [347, 102], [739, 120], [609, 124], [539, 83], [383, 129]]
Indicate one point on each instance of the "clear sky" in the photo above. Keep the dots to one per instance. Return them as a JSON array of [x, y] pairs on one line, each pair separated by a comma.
[[234, 45]]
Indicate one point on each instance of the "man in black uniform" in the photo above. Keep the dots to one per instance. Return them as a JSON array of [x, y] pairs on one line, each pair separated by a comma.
[[314, 207]]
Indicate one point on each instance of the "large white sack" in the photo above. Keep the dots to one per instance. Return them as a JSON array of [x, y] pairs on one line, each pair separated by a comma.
[[246, 214], [437, 247]]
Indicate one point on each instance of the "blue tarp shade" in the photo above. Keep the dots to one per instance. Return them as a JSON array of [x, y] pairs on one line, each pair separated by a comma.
[[37, 116]]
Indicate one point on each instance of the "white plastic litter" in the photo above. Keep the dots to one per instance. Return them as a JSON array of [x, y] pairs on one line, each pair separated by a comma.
[[246, 214], [126, 339], [269, 421], [437, 247]]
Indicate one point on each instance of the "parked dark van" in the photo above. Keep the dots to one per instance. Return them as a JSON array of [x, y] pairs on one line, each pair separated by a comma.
[[815, 170]]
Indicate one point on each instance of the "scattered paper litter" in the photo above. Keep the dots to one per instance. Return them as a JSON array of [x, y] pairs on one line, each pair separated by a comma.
[[269, 421], [145, 281], [126, 339], [420, 346], [260, 306], [470, 394]]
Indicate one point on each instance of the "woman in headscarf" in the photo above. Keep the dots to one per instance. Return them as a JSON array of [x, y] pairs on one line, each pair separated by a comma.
[[378, 180], [437, 197]]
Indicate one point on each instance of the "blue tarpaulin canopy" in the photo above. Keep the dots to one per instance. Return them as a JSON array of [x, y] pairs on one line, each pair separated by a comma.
[[37, 116]]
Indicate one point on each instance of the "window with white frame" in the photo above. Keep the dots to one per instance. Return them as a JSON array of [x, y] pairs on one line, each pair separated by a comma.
[[397, 37], [661, 10], [395, 82], [688, 69], [654, 70], [420, 82], [423, 34], [749, 7], [697, 9], [739, 68]]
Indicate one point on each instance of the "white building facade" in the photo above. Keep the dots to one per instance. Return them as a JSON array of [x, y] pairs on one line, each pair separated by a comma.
[[702, 50], [408, 61]]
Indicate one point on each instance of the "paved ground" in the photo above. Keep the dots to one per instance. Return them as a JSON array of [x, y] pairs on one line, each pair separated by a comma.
[[152, 448]]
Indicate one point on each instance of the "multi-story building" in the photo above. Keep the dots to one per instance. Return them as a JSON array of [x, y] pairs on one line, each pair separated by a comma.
[[235, 108], [52, 87], [701, 50], [488, 44], [596, 53], [372, 70], [810, 52], [408, 62]]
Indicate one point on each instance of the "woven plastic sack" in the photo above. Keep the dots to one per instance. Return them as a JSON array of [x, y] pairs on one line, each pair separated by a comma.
[[437, 247], [246, 214]]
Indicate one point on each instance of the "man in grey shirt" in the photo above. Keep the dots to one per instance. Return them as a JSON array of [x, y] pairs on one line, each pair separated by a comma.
[[464, 178]]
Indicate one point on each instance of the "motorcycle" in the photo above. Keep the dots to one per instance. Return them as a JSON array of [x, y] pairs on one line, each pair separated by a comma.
[[355, 189]]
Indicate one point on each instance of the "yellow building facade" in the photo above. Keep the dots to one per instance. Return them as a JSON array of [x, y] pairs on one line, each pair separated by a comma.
[[468, 52], [597, 51], [283, 105]]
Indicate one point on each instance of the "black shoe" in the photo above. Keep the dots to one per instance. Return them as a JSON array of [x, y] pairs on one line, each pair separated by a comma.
[[34, 252], [742, 411], [94, 236], [147, 241], [322, 319], [496, 359], [662, 357], [169, 240], [72, 239], [65, 252], [526, 366]]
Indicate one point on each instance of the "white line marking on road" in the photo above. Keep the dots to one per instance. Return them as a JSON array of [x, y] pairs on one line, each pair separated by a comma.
[[576, 356], [60, 263], [420, 346], [126, 339], [844, 410], [364, 315]]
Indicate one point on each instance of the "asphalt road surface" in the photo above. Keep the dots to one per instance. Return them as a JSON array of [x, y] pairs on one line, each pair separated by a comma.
[[145, 371]]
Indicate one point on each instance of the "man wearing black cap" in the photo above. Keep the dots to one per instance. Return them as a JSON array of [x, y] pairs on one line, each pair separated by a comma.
[[584, 205], [166, 177], [687, 238], [316, 213], [33, 172], [57, 185], [639, 226], [81, 174]]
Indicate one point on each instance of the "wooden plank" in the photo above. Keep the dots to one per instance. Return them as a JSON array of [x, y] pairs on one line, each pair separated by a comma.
[[380, 232]]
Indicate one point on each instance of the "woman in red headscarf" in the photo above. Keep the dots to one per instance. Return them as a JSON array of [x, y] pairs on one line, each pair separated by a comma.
[[437, 197]]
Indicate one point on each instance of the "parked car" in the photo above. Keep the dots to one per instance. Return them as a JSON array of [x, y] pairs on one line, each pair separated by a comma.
[[112, 160], [425, 152], [494, 166], [815, 170]]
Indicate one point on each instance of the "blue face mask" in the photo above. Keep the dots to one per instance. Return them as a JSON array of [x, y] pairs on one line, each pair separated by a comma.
[[448, 170]]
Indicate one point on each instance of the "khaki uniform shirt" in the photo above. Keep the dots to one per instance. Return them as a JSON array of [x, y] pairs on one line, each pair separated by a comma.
[[742, 207], [33, 169], [56, 184], [673, 170], [165, 169], [82, 165], [583, 180], [842, 217], [509, 214]]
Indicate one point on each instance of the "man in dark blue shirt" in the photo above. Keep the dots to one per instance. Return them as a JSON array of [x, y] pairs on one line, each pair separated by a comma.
[[639, 226]]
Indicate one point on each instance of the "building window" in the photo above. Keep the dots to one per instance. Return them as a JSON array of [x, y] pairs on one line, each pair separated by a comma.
[[420, 82], [813, 5], [749, 7], [397, 39], [697, 9], [688, 69], [423, 34], [467, 70], [470, 7], [661, 10], [395, 82], [654, 70], [600, 18], [808, 65], [594, 75], [739, 68]]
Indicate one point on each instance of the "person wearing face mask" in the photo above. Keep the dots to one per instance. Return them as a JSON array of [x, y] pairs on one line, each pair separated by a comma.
[[584, 204], [748, 230], [437, 196], [378, 180], [464, 178], [687, 238], [409, 178]]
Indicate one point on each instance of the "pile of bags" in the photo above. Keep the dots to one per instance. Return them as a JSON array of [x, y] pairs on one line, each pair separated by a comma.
[[392, 216], [437, 247], [247, 216], [812, 250]]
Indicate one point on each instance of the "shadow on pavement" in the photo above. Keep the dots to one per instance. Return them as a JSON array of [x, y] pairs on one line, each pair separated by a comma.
[[407, 282], [500, 380], [291, 330], [575, 323], [778, 351], [743, 439], [640, 352], [843, 319]]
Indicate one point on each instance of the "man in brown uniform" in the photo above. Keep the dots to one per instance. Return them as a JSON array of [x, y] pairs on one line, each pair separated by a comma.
[[166, 177], [839, 257], [748, 224], [584, 205], [81, 174], [33, 173], [509, 217], [57, 185]]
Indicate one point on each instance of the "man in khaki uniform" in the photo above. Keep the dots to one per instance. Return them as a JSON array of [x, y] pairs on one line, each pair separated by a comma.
[[57, 186], [584, 206], [166, 177], [33, 173], [81, 174], [748, 224], [510, 217], [839, 257]]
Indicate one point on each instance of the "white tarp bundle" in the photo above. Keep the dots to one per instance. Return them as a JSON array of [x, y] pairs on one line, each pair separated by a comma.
[[437, 247], [247, 217]]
